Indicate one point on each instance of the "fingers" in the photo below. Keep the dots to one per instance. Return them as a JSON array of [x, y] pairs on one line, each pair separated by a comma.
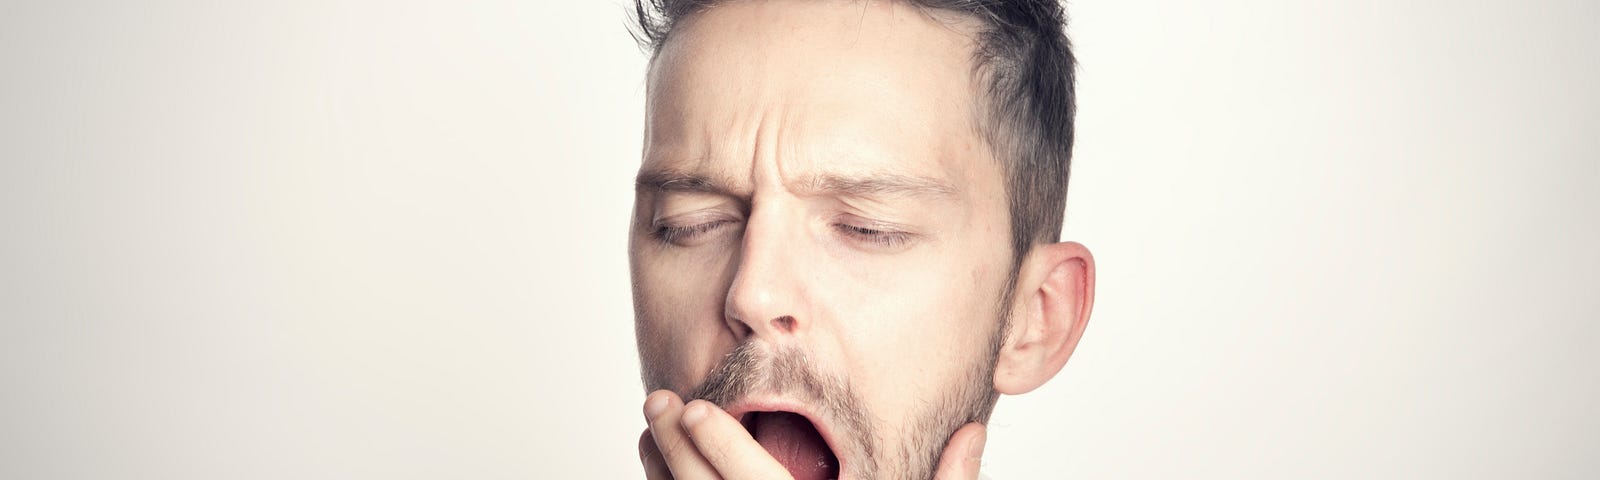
[[964, 454], [655, 466], [664, 411], [727, 445], [700, 442]]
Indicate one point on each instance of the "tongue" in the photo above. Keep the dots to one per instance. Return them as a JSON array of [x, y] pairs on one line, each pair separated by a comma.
[[792, 440]]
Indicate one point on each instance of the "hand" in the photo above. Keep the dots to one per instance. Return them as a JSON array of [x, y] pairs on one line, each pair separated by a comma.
[[700, 441]]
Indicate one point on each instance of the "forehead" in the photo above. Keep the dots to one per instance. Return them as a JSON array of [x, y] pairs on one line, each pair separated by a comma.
[[864, 86]]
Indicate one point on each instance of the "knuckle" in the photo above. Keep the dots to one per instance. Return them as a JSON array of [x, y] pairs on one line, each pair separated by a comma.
[[663, 426], [675, 444], [714, 453]]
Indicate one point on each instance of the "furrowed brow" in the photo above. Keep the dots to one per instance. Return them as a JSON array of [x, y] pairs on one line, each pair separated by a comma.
[[879, 185]]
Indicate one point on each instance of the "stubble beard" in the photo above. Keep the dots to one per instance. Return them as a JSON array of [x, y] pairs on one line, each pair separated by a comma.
[[750, 369]]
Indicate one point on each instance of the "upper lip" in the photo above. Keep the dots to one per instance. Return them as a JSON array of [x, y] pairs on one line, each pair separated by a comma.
[[773, 404]]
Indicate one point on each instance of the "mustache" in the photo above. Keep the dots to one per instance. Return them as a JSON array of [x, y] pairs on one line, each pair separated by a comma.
[[751, 369]]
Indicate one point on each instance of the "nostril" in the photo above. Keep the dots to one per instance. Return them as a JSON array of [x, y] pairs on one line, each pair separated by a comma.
[[784, 323], [740, 330]]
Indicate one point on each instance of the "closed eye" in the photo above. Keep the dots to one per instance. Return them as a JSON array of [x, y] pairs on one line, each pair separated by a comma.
[[879, 237], [686, 235]]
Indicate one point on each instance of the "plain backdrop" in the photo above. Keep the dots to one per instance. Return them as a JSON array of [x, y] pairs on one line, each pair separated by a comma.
[[363, 239]]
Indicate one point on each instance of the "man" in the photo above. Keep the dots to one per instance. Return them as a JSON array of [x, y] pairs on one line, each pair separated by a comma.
[[845, 240]]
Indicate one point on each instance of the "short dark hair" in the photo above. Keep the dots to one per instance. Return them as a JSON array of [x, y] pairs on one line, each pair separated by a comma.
[[1026, 65]]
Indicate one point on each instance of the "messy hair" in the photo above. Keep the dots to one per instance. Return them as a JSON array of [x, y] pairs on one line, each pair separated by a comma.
[[1023, 62]]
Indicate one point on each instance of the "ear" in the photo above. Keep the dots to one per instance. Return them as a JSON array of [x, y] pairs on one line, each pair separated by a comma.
[[1049, 312]]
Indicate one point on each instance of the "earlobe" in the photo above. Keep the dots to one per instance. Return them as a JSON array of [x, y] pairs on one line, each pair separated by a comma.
[[1049, 313]]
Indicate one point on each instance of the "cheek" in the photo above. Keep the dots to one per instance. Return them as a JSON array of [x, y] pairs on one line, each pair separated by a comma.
[[918, 334], [678, 318]]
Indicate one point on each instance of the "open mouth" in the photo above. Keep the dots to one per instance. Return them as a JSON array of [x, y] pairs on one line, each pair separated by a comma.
[[795, 442]]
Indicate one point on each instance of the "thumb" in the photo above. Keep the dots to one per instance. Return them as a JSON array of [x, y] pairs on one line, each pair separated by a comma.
[[964, 454]]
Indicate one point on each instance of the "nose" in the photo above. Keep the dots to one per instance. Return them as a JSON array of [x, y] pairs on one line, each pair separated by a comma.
[[767, 297]]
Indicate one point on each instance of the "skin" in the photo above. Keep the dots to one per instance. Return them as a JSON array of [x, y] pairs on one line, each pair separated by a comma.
[[812, 179]]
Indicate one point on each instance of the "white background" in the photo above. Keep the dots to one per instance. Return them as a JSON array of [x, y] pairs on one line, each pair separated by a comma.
[[386, 240]]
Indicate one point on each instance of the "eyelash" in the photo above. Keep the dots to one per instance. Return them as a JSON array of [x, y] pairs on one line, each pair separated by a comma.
[[672, 234], [884, 238]]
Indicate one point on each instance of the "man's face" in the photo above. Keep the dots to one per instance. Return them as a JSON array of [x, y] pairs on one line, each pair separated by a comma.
[[820, 228]]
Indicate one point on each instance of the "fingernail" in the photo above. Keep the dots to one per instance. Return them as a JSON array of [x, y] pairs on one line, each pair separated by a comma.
[[976, 450], [653, 406], [695, 414]]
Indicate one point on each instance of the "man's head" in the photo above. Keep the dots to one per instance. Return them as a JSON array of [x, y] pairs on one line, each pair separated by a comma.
[[848, 210]]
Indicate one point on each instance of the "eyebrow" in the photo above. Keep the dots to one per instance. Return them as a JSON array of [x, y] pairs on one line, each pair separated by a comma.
[[679, 181], [866, 186], [877, 185]]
